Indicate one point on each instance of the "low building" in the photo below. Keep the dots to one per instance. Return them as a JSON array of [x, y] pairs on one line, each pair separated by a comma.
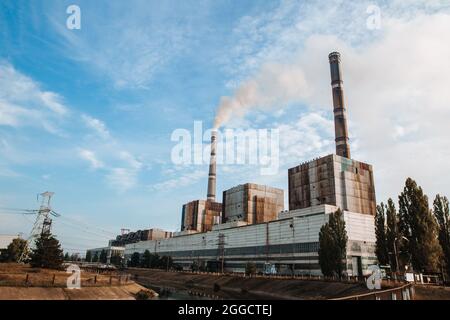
[[252, 203], [289, 243], [111, 251], [140, 235]]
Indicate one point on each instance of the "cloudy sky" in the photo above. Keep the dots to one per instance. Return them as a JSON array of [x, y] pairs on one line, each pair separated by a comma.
[[89, 113]]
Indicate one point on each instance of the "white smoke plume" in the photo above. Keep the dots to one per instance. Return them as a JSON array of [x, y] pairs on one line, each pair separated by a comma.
[[274, 85]]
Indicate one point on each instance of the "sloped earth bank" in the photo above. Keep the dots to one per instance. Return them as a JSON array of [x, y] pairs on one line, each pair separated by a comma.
[[232, 287], [124, 292], [428, 292]]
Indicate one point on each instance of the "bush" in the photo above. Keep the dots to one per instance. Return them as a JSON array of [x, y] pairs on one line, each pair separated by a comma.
[[144, 295], [250, 268]]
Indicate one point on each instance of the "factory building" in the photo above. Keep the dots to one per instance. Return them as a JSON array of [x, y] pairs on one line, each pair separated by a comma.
[[290, 243], [335, 180], [252, 203], [200, 216], [253, 230], [140, 235], [111, 251]]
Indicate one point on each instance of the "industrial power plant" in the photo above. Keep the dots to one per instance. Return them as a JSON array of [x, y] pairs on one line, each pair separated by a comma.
[[252, 225]]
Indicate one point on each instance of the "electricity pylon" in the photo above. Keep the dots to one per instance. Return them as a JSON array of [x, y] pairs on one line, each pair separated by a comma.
[[42, 225]]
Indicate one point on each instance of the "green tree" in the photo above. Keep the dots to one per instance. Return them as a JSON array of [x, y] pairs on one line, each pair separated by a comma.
[[48, 253], [441, 212], [250, 268], [66, 257], [392, 233], [88, 256], [166, 262], [103, 256], [381, 249], [15, 250], [326, 253], [95, 258], [155, 261], [146, 259], [116, 259], [333, 245], [135, 260], [419, 226]]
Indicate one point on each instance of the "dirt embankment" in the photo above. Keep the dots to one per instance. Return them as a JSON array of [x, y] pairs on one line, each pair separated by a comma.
[[227, 286], [125, 292], [21, 282], [426, 292]]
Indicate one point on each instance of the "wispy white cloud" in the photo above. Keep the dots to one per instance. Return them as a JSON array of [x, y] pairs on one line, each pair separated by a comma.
[[130, 48], [90, 157], [97, 125], [180, 179], [23, 102], [122, 179]]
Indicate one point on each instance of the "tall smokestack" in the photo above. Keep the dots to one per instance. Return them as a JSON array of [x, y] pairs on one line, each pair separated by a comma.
[[339, 110], [212, 169]]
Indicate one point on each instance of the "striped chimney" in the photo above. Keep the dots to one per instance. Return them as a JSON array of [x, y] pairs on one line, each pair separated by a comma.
[[211, 196], [339, 110]]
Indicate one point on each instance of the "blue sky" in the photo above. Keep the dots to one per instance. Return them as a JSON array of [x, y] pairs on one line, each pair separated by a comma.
[[89, 113]]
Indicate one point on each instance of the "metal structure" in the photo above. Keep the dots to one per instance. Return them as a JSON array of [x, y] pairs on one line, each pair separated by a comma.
[[43, 223]]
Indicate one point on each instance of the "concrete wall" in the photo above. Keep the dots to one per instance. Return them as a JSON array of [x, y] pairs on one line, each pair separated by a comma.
[[333, 180]]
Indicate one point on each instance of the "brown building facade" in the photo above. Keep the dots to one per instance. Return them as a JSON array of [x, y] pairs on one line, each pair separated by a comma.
[[334, 180], [200, 215], [252, 203]]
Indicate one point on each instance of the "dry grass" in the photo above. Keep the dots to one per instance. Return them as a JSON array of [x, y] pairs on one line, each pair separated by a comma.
[[12, 274]]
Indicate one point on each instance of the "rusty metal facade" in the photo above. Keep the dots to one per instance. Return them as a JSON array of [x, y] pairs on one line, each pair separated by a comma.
[[334, 180], [252, 203], [200, 215]]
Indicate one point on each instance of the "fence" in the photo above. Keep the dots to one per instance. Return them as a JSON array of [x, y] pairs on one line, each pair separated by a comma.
[[59, 279], [405, 292], [309, 277]]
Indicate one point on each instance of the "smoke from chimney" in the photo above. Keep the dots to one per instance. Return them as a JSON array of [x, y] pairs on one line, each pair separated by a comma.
[[211, 196], [339, 110], [275, 85]]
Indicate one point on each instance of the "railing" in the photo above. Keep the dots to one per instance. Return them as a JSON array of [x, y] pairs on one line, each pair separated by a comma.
[[59, 280], [347, 279], [405, 292]]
